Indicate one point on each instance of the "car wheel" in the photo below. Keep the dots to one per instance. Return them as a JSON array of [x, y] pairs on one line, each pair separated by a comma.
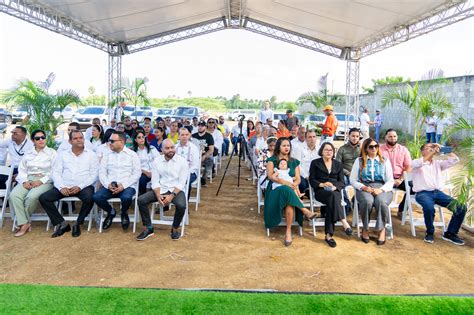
[[8, 119]]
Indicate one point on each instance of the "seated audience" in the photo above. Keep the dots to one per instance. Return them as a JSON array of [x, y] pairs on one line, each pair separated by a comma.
[[428, 183], [206, 145], [372, 178], [74, 174], [34, 179], [97, 136], [160, 135], [190, 152]]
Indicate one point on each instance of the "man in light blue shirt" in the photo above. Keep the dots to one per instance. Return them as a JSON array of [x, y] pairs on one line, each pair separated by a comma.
[[378, 124], [265, 113]]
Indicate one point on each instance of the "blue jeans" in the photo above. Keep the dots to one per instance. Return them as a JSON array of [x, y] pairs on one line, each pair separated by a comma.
[[428, 199], [126, 197], [438, 138], [303, 184], [144, 180], [431, 137], [225, 146], [234, 143], [377, 133], [192, 178]]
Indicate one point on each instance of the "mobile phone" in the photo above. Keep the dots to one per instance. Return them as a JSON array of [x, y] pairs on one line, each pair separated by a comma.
[[114, 184], [445, 150]]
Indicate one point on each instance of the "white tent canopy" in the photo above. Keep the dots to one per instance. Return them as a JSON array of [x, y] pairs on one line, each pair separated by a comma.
[[346, 29]]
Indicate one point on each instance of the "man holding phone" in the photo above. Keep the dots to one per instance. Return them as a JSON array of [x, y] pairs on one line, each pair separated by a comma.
[[169, 174], [118, 173], [428, 182]]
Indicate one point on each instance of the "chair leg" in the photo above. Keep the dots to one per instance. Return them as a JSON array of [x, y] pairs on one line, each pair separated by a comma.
[[441, 216], [268, 232], [101, 220]]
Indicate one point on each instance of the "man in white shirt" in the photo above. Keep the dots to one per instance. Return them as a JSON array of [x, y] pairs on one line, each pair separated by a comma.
[[305, 156], [216, 134], [440, 126], [298, 143], [430, 122], [74, 174], [265, 113], [17, 146], [225, 146], [235, 135], [365, 124], [168, 181], [194, 125], [66, 144], [119, 173], [190, 152]]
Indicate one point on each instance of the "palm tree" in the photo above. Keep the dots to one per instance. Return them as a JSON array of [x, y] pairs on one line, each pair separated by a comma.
[[423, 101], [463, 181], [312, 102], [135, 92], [41, 105]]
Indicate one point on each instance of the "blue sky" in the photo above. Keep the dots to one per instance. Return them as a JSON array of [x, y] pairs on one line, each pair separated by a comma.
[[224, 63]]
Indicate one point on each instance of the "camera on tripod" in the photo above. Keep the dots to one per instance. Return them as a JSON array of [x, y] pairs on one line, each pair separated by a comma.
[[241, 117]]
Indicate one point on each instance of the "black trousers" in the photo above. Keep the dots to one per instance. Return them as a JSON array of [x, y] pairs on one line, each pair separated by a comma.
[[334, 211], [4, 178], [48, 199], [402, 187], [149, 197]]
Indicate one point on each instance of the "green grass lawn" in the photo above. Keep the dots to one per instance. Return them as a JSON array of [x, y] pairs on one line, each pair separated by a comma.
[[21, 299]]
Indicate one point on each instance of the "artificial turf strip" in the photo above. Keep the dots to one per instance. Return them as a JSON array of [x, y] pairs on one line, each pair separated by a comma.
[[20, 299]]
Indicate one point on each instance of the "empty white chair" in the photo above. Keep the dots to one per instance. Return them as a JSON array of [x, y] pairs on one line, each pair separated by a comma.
[[4, 193]]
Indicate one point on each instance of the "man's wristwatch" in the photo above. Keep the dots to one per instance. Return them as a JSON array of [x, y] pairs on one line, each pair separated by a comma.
[[174, 194]]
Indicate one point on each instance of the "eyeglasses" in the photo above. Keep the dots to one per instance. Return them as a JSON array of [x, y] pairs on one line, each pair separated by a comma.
[[134, 123], [112, 141], [211, 122], [40, 138], [375, 146], [327, 150], [140, 137]]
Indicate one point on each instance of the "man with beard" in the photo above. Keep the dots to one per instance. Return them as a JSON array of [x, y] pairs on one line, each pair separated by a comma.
[[347, 154], [169, 173], [128, 126], [401, 162]]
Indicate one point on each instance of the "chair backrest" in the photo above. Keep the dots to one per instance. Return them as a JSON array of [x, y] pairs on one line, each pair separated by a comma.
[[8, 171], [5, 170]]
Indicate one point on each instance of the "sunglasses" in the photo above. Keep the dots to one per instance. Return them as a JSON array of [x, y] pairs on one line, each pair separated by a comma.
[[134, 123], [376, 146], [40, 138], [112, 141], [211, 122]]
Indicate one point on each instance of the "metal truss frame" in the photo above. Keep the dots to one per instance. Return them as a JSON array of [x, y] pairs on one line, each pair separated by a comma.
[[45, 17], [176, 35], [352, 91], [114, 76], [291, 37], [234, 14], [436, 19]]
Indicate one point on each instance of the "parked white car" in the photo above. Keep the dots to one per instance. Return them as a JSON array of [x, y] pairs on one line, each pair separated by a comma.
[[84, 118], [128, 110], [18, 114], [141, 114], [66, 113], [164, 112], [341, 126]]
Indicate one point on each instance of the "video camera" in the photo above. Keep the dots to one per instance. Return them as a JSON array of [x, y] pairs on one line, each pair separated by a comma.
[[241, 117]]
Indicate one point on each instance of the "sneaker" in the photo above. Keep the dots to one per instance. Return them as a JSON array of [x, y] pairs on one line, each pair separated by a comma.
[[176, 235], [429, 238], [453, 238], [145, 234]]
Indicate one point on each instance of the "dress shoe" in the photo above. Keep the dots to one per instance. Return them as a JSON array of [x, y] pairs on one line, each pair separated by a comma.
[[61, 230], [331, 242], [125, 221], [25, 228], [76, 230], [365, 240], [348, 231], [380, 243], [288, 243], [108, 221]]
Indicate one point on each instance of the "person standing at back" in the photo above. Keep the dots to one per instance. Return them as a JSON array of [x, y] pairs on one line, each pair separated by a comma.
[[378, 124], [291, 120], [265, 113], [329, 126], [365, 124]]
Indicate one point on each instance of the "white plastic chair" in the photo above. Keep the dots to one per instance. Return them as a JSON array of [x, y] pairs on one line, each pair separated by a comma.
[[5, 193], [408, 211], [117, 219], [197, 185], [168, 220], [71, 216]]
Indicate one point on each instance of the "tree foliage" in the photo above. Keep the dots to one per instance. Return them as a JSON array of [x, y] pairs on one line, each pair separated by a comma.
[[384, 81]]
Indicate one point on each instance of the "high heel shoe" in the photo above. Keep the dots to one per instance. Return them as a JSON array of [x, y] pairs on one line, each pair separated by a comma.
[[288, 243], [311, 216], [25, 228]]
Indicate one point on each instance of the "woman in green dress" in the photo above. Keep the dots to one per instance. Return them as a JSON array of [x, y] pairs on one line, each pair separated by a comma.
[[283, 198]]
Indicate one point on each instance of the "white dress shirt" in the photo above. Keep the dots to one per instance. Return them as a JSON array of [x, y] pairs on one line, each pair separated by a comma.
[[71, 170], [168, 175], [102, 150], [364, 121], [88, 134], [16, 151], [218, 139], [190, 153], [146, 158], [297, 148], [123, 167], [306, 157], [37, 164]]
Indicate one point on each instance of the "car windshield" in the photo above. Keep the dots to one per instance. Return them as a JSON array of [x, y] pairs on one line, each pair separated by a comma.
[[316, 118], [185, 111], [342, 117], [142, 113], [165, 111], [129, 108], [21, 109], [93, 111]]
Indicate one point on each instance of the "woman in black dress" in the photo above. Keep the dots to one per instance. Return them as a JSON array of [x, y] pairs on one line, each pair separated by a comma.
[[326, 176]]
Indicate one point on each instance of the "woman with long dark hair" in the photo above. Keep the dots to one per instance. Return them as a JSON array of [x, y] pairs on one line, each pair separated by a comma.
[[372, 177], [250, 129], [97, 136], [283, 198], [147, 154], [160, 135], [326, 176]]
